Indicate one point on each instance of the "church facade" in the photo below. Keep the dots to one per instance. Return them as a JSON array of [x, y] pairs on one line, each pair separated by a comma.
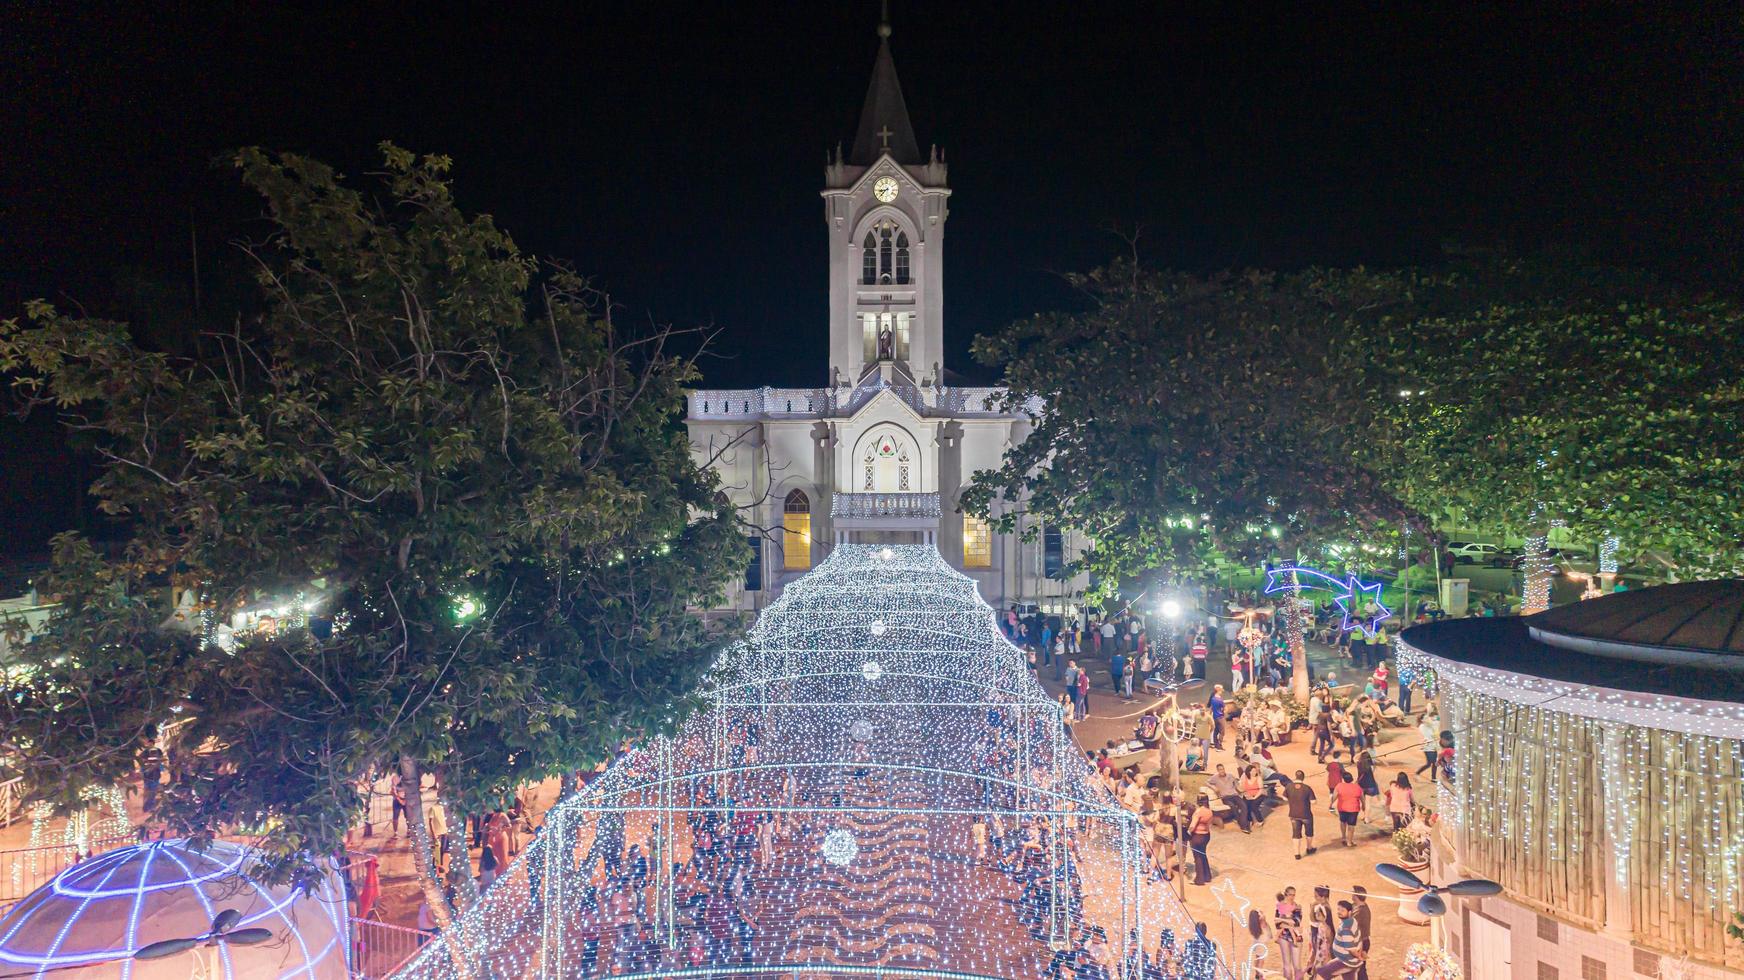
[[884, 449]]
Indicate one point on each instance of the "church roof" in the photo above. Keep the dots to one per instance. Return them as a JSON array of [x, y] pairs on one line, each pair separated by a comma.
[[884, 124]]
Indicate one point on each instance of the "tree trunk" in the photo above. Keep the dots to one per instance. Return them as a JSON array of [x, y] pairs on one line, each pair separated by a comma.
[[1169, 768], [1535, 591], [423, 856], [1298, 643], [460, 866], [566, 785]]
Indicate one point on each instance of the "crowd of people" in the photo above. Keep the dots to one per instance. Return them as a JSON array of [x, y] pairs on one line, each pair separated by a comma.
[[1196, 789]]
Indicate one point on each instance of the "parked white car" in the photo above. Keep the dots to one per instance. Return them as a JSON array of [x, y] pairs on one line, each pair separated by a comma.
[[1474, 552]]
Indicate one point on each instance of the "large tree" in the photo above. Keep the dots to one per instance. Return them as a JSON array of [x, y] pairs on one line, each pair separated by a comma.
[[1558, 394], [479, 479], [1179, 410]]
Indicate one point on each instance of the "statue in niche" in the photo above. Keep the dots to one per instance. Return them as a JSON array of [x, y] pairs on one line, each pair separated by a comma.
[[886, 344]]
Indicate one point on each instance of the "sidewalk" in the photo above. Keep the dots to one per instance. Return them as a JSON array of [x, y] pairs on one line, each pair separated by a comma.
[[1262, 864]]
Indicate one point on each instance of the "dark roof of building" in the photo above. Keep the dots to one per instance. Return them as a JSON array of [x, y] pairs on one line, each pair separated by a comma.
[[1699, 616], [884, 125], [1647, 641]]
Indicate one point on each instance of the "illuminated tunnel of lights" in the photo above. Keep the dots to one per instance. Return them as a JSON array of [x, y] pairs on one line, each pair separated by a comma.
[[878, 786]]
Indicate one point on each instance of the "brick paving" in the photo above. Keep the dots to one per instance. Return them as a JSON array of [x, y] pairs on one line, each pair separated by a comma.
[[1263, 863]]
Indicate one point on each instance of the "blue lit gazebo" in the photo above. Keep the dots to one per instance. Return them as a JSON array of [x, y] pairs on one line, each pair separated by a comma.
[[88, 921]]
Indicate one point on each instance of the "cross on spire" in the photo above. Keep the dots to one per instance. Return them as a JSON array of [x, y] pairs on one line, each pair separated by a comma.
[[884, 127]]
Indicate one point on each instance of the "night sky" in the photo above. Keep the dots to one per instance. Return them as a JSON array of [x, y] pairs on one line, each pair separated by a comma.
[[675, 151]]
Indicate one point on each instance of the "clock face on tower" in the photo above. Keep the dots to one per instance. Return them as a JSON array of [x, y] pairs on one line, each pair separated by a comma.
[[884, 189]]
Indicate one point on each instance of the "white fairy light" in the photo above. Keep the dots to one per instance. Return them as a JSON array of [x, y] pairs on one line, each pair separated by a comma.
[[1524, 788], [840, 848], [926, 756]]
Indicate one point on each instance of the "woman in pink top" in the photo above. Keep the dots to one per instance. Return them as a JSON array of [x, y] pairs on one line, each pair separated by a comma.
[[1401, 805], [1251, 785]]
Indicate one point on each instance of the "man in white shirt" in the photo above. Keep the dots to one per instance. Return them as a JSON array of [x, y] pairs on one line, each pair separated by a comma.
[[1429, 729]]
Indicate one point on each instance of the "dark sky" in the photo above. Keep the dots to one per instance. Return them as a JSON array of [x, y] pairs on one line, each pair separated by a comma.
[[675, 151]]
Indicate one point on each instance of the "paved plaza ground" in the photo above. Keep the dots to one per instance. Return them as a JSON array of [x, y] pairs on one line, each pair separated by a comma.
[[1263, 863]]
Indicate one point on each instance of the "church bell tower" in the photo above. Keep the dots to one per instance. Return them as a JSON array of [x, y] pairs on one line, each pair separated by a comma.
[[885, 206]]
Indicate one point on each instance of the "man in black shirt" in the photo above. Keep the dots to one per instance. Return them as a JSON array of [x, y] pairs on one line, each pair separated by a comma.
[[1364, 927], [1300, 797]]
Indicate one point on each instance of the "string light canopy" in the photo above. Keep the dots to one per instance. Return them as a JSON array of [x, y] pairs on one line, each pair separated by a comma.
[[1600, 760], [169, 909], [878, 786]]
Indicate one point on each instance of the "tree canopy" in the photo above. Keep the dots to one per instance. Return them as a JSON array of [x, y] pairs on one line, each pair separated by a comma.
[[477, 477], [1602, 401], [1180, 409]]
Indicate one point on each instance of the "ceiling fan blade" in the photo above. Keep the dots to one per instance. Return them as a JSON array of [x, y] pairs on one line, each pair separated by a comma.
[[163, 948], [1399, 876], [224, 920], [1432, 904], [1473, 886], [247, 937]]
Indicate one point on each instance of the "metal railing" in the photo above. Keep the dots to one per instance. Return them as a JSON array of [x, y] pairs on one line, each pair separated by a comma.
[[378, 949], [866, 506], [26, 869], [748, 403]]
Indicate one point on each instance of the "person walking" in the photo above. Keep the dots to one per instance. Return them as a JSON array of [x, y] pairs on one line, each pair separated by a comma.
[[1347, 799], [1363, 915], [1334, 776], [1429, 730], [1216, 705], [1197, 654], [1300, 799], [1287, 928], [1365, 777], [1320, 928], [1401, 804], [1126, 678], [1116, 669], [1083, 694], [1346, 946]]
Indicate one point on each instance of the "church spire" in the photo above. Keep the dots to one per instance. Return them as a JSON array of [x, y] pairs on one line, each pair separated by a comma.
[[884, 125]]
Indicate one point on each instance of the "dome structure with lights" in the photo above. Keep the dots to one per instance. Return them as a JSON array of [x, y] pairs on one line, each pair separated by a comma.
[[822, 818], [168, 910], [1598, 776]]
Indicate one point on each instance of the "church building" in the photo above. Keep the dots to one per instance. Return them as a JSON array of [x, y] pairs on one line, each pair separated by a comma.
[[883, 449]]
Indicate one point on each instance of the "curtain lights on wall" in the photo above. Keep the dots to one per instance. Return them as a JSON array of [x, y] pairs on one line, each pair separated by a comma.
[[878, 785], [1526, 785]]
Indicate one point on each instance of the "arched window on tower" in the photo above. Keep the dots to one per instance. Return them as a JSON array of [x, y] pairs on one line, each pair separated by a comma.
[[796, 532], [902, 258], [885, 274], [869, 261]]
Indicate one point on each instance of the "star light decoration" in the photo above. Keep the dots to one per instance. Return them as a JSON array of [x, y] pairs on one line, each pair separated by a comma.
[[1351, 594], [1235, 905], [860, 843]]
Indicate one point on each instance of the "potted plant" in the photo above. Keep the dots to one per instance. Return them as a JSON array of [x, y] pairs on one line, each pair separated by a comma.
[[1412, 843]]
